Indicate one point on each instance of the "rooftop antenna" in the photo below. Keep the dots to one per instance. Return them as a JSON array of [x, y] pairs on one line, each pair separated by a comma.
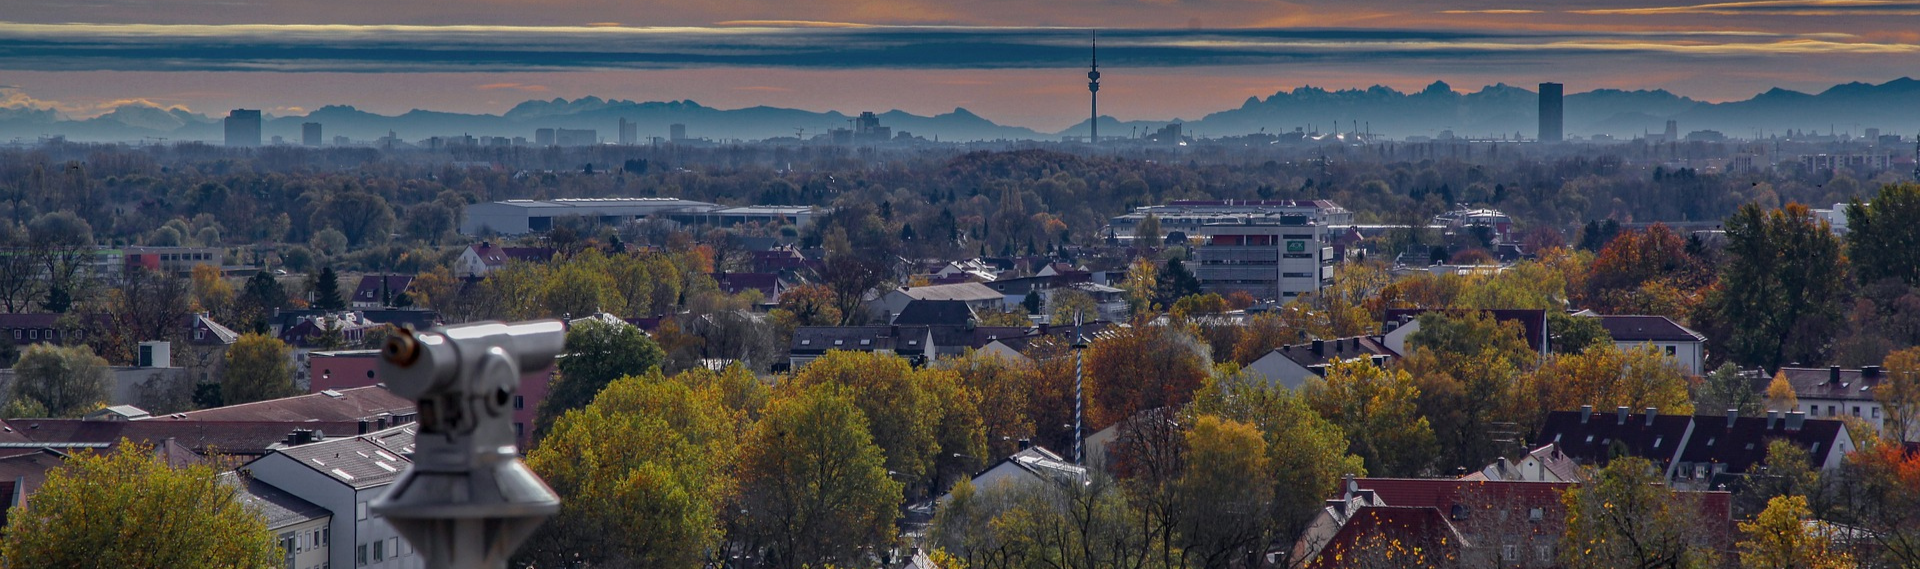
[[1093, 89]]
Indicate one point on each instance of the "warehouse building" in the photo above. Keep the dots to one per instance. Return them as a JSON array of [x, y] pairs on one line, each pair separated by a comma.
[[517, 217]]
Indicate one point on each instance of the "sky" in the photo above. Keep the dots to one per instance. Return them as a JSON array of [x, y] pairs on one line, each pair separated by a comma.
[[1018, 62]]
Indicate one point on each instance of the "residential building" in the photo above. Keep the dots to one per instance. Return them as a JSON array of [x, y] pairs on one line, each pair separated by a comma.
[[676, 132], [936, 313], [1032, 466], [916, 343], [1544, 464], [483, 258], [302, 528], [243, 128], [1836, 392], [977, 296], [375, 291], [1692, 451], [1292, 364], [768, 284], [1682, 344], [342, 476], [352, 371], [575, 137]]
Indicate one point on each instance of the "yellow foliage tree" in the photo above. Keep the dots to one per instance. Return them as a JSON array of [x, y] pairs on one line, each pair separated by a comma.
[[1781, 538], [1780, 394]]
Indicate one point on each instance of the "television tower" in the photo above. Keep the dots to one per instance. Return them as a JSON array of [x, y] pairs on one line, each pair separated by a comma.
[[1093, 88]]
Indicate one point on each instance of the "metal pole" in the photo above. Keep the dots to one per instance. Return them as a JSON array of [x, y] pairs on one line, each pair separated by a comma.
[[1079, 380]]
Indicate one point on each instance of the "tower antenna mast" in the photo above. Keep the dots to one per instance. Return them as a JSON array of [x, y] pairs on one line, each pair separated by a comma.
[[1093, 89]]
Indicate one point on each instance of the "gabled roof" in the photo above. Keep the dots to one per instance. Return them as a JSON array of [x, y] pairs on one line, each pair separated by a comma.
[[935, 313], [1592, 440], [279, 508], [1648, 329], [214, 334], [1742, 443], [371, 287], [345, 405], [969, 292], [819, 339], [1371, 527], [1335, 350], [204, 437], [364, 461], [1831, 383]]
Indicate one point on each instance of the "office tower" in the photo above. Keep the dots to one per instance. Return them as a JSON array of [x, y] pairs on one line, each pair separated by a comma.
[[543, 137], [677, 132], [1673, 131], [629, 133], [1552, 112], [243, 127], [310, 133]]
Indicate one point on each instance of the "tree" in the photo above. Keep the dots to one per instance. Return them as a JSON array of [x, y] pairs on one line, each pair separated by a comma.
[[1726, 387], [1899, 394], [1780, 288], [1143, 279], [1622, 269], [1568, 334], [1880, 499], [1379, 411], [1209, 304], [1604, 377], [1176, 282], [1781, 396], [850, 277], [58, 381], [1003, 385], [364, 218], [1262, 333], [1146, 235], [811, 305], [259, 367], [261, 296], [162, 517], [1223, 510], [1626, 518], [1881, 235], [1140, 368], [429, 221], [1782, 538], [644, 474], [1067, 306], [597, 353], [326, 291], [896, 401], [814, 484], [212, 294]]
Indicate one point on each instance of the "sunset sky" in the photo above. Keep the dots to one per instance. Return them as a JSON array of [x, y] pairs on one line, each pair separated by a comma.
[[1013, 61]]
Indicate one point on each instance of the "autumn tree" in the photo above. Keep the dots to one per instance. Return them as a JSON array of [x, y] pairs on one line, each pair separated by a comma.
[[1209, 304], [163, 516], [1620, 277], [1899, 394], [1726, 387], [644, 473], [597, 354], [1464, 363], [1067, 306], [813, 483], [1879, 498], [1782, 538], [1262, 333], [1379, 410], [906, 409], [259, 367], [1780, 394], [1140, 368], [1626, 518], [1143, 279], [1604, 377], [57, 381], [1003, 385], [1223, 510], [1780, 289], [211, 293]]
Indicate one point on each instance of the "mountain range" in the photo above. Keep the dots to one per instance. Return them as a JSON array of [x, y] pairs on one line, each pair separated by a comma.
[[1493, 110]]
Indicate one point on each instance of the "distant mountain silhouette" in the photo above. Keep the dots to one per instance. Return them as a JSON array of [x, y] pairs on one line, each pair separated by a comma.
[[1496, 110]]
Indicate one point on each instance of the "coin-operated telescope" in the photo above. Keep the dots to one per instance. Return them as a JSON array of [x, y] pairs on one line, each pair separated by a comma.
[[467, 500]]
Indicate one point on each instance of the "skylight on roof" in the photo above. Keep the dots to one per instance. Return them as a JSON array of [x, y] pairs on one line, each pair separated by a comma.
[[383, 454], [342, 474], [385, 466]]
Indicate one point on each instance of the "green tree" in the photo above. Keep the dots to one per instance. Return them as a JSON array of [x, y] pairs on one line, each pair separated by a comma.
[[1626, 518], [161, 516], [1224, 509], [815, 487], [1881, 235], [58, 381], [1379, 411], [1568, 334], [364, 218], [597, 353], [258, 299], [905, 408], [643, 472], [259, 367], [1782, 538], [1781, 288], [1727, 388], [326, 291], [1175, 282], [1147, 235]]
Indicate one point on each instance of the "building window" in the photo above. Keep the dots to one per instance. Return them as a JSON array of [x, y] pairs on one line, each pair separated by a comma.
[[1856, 410], [360, 511], [360, 555], [33, 334], [393, 545], [519, 402], [379, 551], [1876, 412], [1507, 553], [1672, 350]]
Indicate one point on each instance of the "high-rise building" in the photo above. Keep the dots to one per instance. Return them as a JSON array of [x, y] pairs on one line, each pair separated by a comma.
[[1673, 131], [243, 128], [1552, 112], [310, 133], [543, 137], [629, 133], [1270, 257], [677, 132]]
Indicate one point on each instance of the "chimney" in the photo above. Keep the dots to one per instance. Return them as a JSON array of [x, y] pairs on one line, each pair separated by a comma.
[[1870, 372], [1796, 420], [1651, 413], [1585, 412], [1733, 416], [1621, 413], [1833, 374], [1026, 444], [1773, 418], [1380, 361], [1319, 347]]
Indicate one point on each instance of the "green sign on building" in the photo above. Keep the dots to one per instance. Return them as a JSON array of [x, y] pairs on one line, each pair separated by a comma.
[[1296, 246]]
